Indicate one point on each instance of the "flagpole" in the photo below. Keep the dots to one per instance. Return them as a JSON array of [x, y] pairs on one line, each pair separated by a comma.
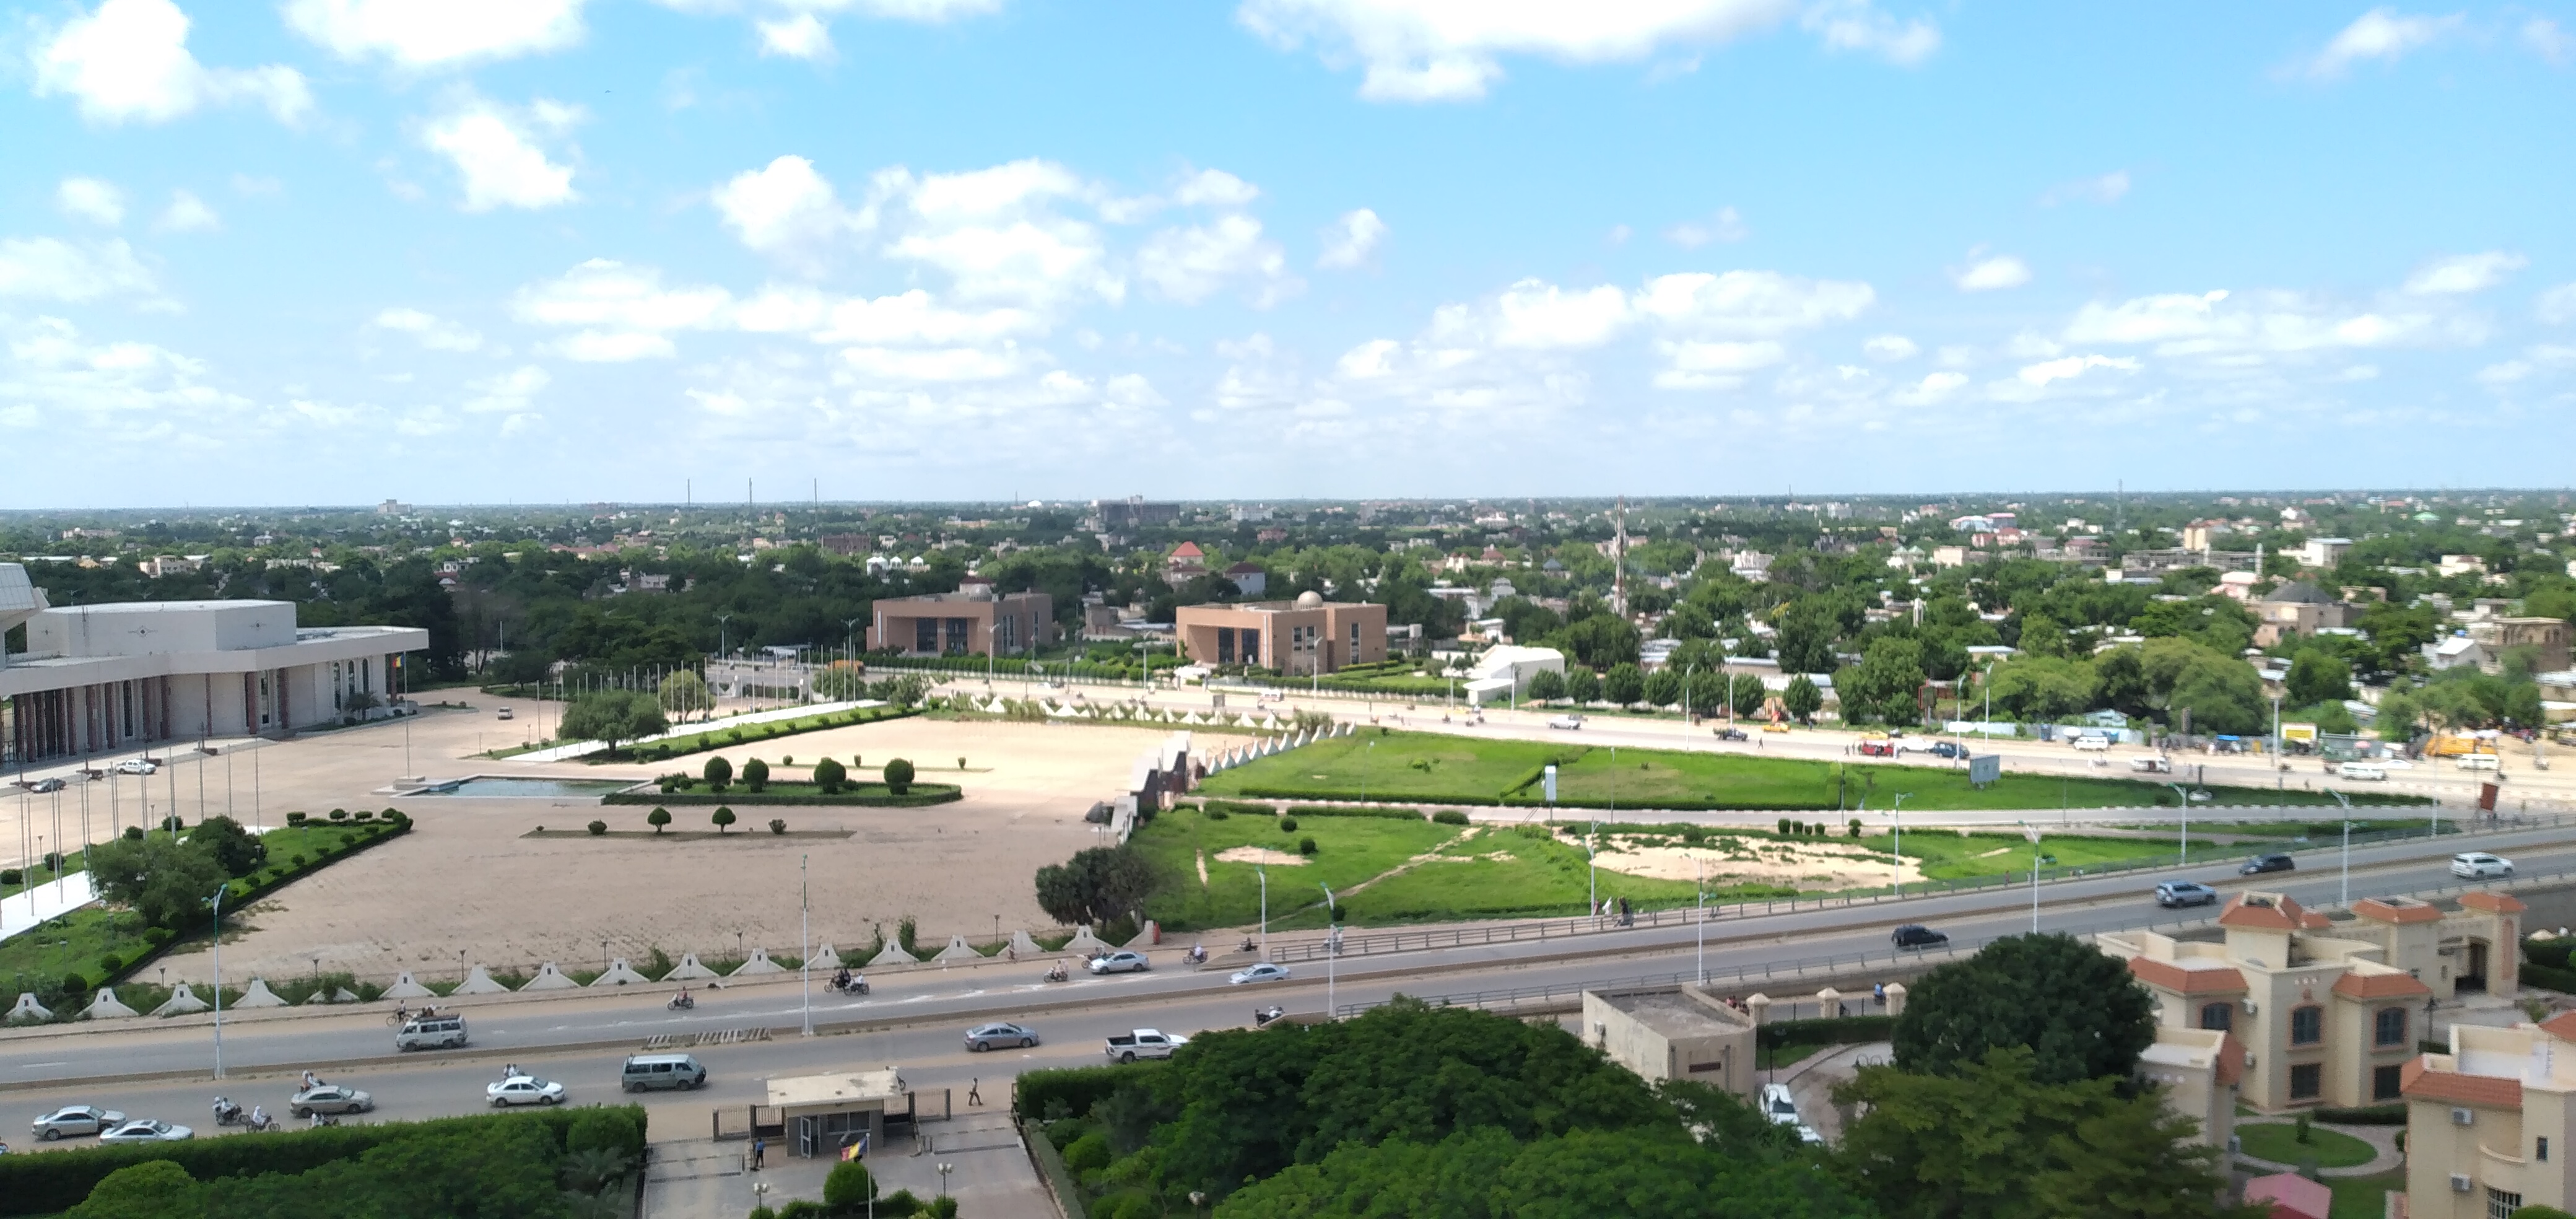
[[2033, 834]]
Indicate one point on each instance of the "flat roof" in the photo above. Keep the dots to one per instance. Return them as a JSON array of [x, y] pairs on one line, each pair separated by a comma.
[[1673, 1014], [162, 607], [849, 1088]]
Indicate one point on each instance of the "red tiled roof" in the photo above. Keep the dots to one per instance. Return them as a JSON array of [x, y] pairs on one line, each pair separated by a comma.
[[2388, 912], [2172, 977], [2561, 1026], [2379, 986], [2499, 903], [2313, 921], [2291, 1195], [2278, 914], [1188, 550], [2417, 1079], [2231, 1060]]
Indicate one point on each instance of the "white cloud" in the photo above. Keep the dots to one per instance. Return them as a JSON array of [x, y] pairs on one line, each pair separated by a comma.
[[187, 214], [797, 36], [431, 331], [2382, 34], [2557, 305], [601, 294], [495, 151], [1446, 50], [1934, 387], [2070, 367], [1887, 348], [994, 231], [2549, 41], [785, 209], [46, 268], [2217, 323], [254, 186], [91, 199], [613, 346], [510, 393], [1538, 316], [1703, 365], [1727, 225], [1990, 274], [2104, 189], [53, 376], [436, 33], [2497, 376], [129, 59], [1190, 264], [1215, 188], [1352, 239], [933, 364], [1751, 303], [2464, 273]]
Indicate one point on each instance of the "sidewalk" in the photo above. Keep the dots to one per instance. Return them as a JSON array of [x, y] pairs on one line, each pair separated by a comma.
[[23, 911]]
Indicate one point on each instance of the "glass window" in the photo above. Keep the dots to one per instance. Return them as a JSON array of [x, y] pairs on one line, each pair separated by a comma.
[[2218, 1016], [1251, 647], [2385, 1083], [2389, 1027], [2502, 1205], [2307, 1081], [2307, 1025], [2540, 1149]]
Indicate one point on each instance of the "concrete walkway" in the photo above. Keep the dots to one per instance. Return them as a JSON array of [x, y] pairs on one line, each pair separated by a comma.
[[24, 911], [579, 749]]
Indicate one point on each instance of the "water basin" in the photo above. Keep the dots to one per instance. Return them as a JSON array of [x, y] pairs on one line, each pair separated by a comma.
[[491, 787]]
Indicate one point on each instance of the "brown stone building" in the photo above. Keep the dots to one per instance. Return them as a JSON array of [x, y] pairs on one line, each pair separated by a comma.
[[1299, 638], [972, 622]]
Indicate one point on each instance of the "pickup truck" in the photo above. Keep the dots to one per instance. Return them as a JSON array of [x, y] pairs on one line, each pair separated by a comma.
[[1144, 1043]]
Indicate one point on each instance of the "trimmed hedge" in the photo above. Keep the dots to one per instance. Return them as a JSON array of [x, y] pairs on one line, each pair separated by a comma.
[[2549, 954], [1450, 816], [2365, 1115], [1365, 810], [1244, 807], [921, 794], [1078, 1087], [1829, 1030], [58, 1180]]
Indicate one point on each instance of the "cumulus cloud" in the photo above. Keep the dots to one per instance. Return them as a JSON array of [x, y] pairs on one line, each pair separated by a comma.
[[91, 199], [1934, 387], [1352, 239], [786, 209], [797, 36], [1990, 274], [2557, 305], [2103, 188], [2382, 34], [2465, 273], [1191, 264], [2071, 367], [187, 214], [1887, 348], [46, 268], [129, 59], [511, 395], [436, 33], [1440, 50], [1693, 364], [53, 375], [2549, 40], [1760, 304], [1726, 225], [432, 332], [496, 153], [2220, 323], [997, 234]]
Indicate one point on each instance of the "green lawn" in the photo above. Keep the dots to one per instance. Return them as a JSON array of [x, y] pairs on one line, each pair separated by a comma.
[[1348, 850], [1501, 873], [1449, 769], [2278, 1142], [2364, 1197]]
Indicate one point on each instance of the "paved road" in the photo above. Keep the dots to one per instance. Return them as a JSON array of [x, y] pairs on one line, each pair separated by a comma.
[[941, 999]]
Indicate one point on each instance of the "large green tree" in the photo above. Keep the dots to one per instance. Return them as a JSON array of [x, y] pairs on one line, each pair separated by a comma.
[[613, 716], [2076, 1009], [2317, 677], [166, 881], [1096, 886]]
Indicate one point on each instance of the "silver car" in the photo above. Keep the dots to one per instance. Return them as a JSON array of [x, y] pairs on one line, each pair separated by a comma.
[[330, 1098], [146, 1130], [524, 1090], [983, 1037], [1263, 972], [77, 1119], [1119, 962]]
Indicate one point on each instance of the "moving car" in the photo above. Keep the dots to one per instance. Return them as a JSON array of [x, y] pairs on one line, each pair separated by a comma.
[[1264, 972], [137, 766], [1778, 1105], [329, 1098], [644, 1071], [1732, 734], [1566, 721], [41, 786], [524, 1090], [446, 1032], [146, 1130], [502, 714], [1949, 749], [1144, 1043], [1120, 962], [1878, 749], [77, 1119], [1775, 726], [2176, 893], [2478, 865], [2152, 766], [1916, 935], [2274, 862], [2479, 761], [2093, 744], [2372, 771], [983, 1037]]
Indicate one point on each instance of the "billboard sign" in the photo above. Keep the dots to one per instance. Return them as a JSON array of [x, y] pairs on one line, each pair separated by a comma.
[[2300, 734], [1985, 768]]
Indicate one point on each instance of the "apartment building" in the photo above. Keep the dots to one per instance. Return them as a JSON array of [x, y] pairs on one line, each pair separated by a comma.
[[2328, 1010], [2487, 1124], [1297, 638]]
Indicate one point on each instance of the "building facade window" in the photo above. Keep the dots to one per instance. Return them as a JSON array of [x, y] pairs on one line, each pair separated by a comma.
[[2307, 1025], [2307, 1081], [338, 692], [2540, 1149], [2388, 1028], [925, 634], [1251, 640], [958, 634], [1225, 645], [2217, 1016], [2502, 1205], [2385, 1083]]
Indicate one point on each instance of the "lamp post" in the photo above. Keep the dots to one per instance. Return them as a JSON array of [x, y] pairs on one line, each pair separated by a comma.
[[2183, 857], [2029, 832], [1264, 870], [805, 938], [1332, 947], [2343, 895], [1699, 870], [219, 978], [944, 1170]]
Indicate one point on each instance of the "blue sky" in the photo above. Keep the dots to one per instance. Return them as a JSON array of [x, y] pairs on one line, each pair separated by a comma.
[[330, 251]]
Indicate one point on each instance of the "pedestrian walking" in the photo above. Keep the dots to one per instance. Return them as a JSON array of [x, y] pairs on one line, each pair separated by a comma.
[[759, 1149], [974, 1091]]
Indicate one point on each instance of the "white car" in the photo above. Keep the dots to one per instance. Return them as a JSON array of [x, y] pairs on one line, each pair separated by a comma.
[[524, 1090], [1777, 1106], [146, 1130], [2478, 865], [77, 1119], [1120, 962], [1264, 972], [137, 766], [1566, 721]]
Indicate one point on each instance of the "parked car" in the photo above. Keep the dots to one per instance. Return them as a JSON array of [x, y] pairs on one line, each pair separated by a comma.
[[76, 1119], [2093, 744], [2176, 893], [1120, 962], [1916, 935], [1775, 726], [1566, 721], [2152, 766], [502, 714], [1778, 1105], [1732, 734], [329, 1098], [1878, 749], [2478, 865], [524, 1090], [1144, 1043], [2367, 771], [146, 1130], [2273, 862], [138, 766], [41, 786], [983, 1037], [1263, 972]]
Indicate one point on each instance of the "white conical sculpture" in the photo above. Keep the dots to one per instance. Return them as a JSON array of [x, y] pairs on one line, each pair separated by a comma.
[[1086, 944], [478, 981], [550, 978], [181, 1002], [259, 995], [29, 1010], [620, 974], [826, 959], [342, 994], [1023, 945], [107, 1006], [688, 970], [892, 954], [758, 964], [407, 987], [958, 950]]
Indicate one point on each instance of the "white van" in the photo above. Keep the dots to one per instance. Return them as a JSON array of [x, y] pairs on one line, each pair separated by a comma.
[[445, 1032], [674, 1071], [2372, 771], [2093, 743], [2479, 761]]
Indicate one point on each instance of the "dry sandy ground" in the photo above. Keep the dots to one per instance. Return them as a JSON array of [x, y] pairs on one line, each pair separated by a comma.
[[1803, 864], [466, 887]]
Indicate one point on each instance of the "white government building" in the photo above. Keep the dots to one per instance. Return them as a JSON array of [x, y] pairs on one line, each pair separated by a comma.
[[96, 678]]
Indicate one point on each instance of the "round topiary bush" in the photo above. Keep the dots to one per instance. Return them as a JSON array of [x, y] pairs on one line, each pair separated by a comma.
[[295, 818], [298, 859], [1288, 825], [110, 965], [849, 1187], [898, 776], [11, 876], [598, 829], [723, 817], [658, 818], [362, 815], [74, 984], [778, 825], [134, 833], [1305, 846], [1450, 816], [755, 775], [339, 814]]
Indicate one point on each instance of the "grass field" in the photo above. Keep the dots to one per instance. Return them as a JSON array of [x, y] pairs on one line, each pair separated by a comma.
[[2364, 1197], [2279, 1143], [1459, 770], [1349, 850]]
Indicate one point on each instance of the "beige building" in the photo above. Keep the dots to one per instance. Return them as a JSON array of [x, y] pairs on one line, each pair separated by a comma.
[[2487, 1124], [971, 622], [1297, 638], [2328, 1010], [1674, 1032], [2200, 1071]]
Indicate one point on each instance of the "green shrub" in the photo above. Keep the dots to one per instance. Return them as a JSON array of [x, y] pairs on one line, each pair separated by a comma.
[[1334, 810], [898, 776], [1059, 1092], [74, 984], [11, 876], [1784, 827], [719, 772], [898, 1204], [755, 775], [803, 1208], [1087, 1153], [1305, 846], [1450, 816], [778, 825], [619, 1130], [111, 964], [1287, 825], [849, 1187], [2550, 954], [298, 859], [295, 818], [2393, 1114], [658, 818], [598, 829], [339, 814], [1215, 814], [134, 833], [723, 817], [830, 775]]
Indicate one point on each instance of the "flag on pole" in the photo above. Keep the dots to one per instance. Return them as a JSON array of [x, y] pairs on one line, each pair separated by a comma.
[[855, 1150], [2031, 832]]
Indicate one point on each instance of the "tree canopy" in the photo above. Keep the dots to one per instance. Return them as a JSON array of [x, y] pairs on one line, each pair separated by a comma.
[[1096, 886], [2076, 1009]]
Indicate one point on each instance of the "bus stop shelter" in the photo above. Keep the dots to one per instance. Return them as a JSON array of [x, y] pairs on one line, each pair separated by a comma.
[[822, 1114]]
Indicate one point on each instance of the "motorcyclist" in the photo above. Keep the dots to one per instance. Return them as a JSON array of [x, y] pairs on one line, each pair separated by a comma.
[[225, 1111], [841, 980], [259, 1117]]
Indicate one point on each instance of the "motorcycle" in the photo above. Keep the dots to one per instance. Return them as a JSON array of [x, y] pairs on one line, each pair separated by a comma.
[[681, 1003], [1262, 1016], [260, 1123], [1057, 973], [853, 985], [1197, 955], [320, 1120], [227, 1113]]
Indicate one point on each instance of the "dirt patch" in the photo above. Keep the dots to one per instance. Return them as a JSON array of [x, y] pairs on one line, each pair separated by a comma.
[[1276, 859], [1797, 864]]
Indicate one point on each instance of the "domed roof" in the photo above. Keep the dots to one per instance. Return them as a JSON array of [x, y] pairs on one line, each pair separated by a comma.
[[1309, 599]]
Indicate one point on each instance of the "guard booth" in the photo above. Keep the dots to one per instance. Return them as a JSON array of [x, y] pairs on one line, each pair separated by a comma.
[[821, 1114]]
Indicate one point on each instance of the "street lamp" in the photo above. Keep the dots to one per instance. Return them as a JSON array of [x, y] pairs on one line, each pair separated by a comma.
[[1264, 870], [219, 978], [1896, 851], [1332, 947], [944, 1170], [2184, 858], [1699, 870], [2343, 896]]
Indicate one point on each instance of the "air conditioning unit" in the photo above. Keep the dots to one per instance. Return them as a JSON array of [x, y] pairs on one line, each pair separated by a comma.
[[2252, 1010], [2459, 1183], [2464, 1117]]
